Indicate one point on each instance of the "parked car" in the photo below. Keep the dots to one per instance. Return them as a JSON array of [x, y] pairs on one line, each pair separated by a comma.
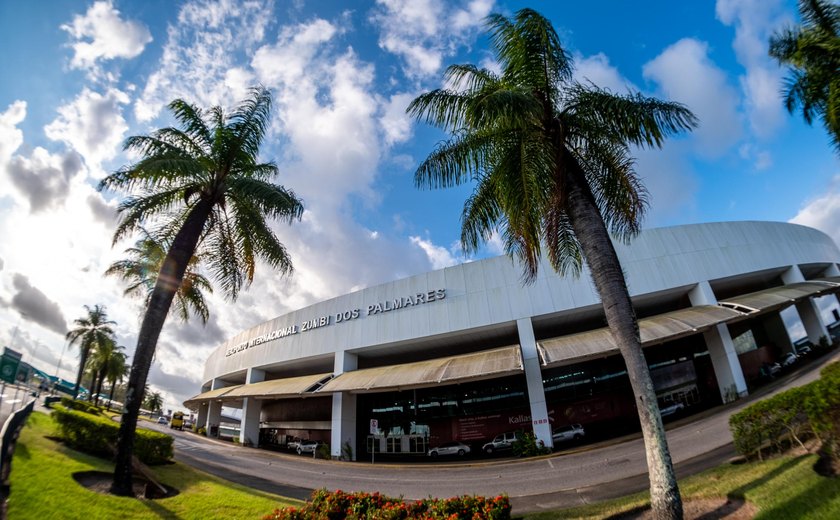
[[671, 409], [293, 444], [804, 350], [450, 448], [572, 432], [308, 447], [501, 442], [789, 359]]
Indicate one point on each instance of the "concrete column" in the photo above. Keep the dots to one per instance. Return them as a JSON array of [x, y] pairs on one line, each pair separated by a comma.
[[343, 409], [722, 352], [214, 409], [832, 270], [201, 418], [809, 311], [533, 377], [249, 425]]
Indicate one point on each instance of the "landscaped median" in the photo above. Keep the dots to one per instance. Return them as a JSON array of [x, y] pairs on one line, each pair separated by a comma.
[[43, 486]]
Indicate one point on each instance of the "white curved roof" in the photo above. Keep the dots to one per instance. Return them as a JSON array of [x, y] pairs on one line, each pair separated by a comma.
[[472, 298]]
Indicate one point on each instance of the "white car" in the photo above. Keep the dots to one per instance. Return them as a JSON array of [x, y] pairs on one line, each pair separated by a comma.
[[572, 432], [501, 442], [671, 409], [789, 359], [450, 448], [308, 447]]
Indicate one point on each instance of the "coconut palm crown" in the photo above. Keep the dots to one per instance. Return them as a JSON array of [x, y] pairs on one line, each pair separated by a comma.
[[204, 188], [550, 162], [140, 272], [812, 53]]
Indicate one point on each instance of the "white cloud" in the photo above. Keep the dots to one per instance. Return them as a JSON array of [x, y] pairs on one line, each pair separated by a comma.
[[102, 35], [10, 136], [396, 124], [424, 32], [754, 22], [597, 70], [92, 124], [439, 256], [43, 178], [823, 212], [685, 74], [201, 48]]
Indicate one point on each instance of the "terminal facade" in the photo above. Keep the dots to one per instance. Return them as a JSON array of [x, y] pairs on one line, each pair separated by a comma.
[[468, 352]]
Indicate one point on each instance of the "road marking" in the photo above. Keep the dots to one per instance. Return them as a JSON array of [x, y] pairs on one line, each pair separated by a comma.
[[549, 463]]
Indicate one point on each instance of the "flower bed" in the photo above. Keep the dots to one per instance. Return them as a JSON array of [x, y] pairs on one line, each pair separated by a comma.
[[339, 505]]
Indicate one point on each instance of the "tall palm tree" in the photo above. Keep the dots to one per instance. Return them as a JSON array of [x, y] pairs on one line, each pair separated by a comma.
[[115, 372], [100, 360], [91, 331], [154, 402], [204, 188], [142, 266], [812, 51], [550, 161]]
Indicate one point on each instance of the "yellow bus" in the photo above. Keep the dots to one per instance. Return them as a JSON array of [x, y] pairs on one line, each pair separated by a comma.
[[177, 421]]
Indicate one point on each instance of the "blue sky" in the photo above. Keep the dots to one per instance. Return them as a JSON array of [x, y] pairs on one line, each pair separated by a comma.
[[80, 76]]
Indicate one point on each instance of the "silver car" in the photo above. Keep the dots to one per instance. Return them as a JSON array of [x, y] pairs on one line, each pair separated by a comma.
[[450, 448], [572, 432]]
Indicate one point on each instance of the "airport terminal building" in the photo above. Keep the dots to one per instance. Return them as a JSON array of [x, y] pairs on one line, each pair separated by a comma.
[[467, 352]]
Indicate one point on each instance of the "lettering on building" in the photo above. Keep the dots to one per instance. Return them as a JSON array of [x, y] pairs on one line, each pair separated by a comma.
[[317, 322]]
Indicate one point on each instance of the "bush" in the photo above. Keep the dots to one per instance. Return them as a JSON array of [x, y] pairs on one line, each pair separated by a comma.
[[774, 423], [82, 406], [97, 435], [339, 505], [528, 446]]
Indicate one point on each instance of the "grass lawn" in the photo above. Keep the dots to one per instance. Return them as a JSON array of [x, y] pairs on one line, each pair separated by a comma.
[[783, 488], [43, 487]]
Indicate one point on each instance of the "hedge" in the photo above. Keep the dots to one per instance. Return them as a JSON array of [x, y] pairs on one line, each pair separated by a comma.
[[789, 416], [339, 505], [97, 435], [82, 406]]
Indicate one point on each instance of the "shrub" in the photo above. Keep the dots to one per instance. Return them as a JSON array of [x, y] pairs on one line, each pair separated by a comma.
[[97, 435], [528, 446], [82, 406], [823, 408], [339, 505]]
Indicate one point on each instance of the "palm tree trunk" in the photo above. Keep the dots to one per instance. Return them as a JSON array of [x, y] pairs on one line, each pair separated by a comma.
[[99, 385], [608, 277], [168, 281], [81, 373]]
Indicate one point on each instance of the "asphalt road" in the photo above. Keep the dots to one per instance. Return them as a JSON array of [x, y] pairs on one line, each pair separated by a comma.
[[564, 479]]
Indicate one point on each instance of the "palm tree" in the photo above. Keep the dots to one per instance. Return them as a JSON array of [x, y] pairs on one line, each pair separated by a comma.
[[142, 266], [154, 402], [812, 51], [552, 169], [205, 190], [91, 332], [100, 360], [115, 372]]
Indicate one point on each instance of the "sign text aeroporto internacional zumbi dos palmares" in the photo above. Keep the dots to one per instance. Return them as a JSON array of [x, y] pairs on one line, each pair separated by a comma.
[[339, 317]]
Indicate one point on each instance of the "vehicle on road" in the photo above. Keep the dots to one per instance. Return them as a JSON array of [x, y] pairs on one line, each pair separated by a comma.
[[572, 432], [162, 420], [177, 421], [450, 448], [501, 442]]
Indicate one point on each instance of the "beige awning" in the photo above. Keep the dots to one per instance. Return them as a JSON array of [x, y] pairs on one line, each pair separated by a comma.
[[777, 297], [278, 388], [653, 330], [454, 369], [210, 395]]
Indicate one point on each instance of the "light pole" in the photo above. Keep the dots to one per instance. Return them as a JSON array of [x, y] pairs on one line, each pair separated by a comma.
[[58, 365]]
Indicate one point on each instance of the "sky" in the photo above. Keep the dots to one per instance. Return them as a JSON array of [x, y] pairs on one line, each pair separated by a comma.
[[79, 77]]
